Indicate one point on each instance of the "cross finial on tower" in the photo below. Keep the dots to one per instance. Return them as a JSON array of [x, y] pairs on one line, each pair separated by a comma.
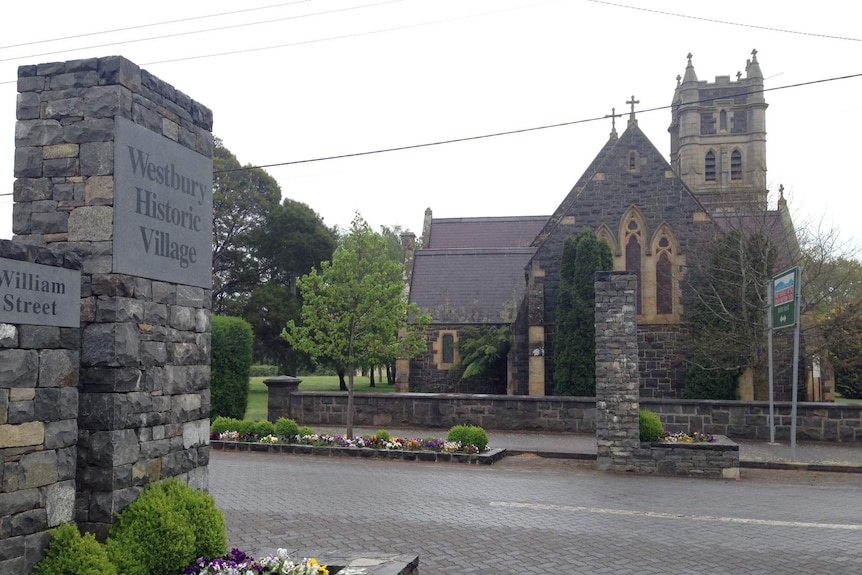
[[678, 78], [754, 54], [689, 58], [738, 76]]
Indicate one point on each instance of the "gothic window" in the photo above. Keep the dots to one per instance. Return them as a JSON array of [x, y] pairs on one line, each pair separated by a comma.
[[736, 165], [448, 348], [633, 244], [722, 120], [663, 278], [633, 160], [709, 166]]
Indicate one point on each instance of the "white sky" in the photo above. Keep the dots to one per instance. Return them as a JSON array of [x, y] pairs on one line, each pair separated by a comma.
[[346, 79]]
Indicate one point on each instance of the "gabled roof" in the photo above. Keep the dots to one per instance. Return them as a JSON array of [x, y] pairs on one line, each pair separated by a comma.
[[501, 232], [469, 286], [775, 225]]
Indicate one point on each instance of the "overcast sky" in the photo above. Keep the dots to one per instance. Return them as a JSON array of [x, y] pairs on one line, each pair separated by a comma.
[[318, 78]]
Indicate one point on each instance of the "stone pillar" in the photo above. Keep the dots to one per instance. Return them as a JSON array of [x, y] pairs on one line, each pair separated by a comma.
[[536, 331], [617, 385], [38, 400], [278, 391], [114, 166]]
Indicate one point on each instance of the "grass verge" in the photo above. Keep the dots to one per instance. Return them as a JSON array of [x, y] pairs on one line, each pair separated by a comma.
[[257, 392]]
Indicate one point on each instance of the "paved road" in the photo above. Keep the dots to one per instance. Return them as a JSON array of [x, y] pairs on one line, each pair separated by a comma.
[[531, 515]]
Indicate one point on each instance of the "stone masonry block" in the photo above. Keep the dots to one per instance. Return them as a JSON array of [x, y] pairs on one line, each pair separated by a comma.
[[58, 368], [97, 158], [18, 368], [112, 344], [91, 223]]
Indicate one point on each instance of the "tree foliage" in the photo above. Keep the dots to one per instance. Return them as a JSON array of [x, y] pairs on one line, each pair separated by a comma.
[[837, 313], [483, 352], [260, 246], [354, 310], [574, 332], [728, 320]]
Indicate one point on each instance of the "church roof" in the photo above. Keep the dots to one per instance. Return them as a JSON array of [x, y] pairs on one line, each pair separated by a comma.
[[500, 232], [469, 286]]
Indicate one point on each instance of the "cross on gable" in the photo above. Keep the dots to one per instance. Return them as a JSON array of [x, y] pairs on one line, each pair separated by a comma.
[[613, 116], [633, 102]]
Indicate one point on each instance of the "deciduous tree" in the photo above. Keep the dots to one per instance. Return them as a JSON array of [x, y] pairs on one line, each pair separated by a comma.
[[354, 310]]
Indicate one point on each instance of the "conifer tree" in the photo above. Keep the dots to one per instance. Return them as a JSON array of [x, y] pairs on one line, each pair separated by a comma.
[[574, 333]]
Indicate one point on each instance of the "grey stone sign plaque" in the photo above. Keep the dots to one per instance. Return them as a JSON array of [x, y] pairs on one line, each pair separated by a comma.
[[162, 208], [35, 294]]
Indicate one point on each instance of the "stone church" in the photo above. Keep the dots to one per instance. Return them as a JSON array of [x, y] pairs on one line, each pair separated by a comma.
[[659, 218]]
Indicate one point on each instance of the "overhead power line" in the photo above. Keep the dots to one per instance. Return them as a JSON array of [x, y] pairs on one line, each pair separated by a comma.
[[726, 22], [207, 30], [151, 25], [509, 132]]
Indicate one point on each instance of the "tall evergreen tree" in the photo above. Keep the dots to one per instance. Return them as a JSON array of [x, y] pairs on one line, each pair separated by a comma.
[[574, 333]]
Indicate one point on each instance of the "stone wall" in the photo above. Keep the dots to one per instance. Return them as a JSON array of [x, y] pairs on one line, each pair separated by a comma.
[[428, 375], [38, 426], [138, 408], [736, 419]]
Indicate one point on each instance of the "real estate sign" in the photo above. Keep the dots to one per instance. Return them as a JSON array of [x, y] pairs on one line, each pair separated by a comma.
[[784, 294]]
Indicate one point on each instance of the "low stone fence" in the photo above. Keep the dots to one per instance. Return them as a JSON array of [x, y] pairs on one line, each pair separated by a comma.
[[719, 459], [735, 419]]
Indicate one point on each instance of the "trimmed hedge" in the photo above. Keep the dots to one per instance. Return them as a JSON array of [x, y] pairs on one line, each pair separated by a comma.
[[232, 341]]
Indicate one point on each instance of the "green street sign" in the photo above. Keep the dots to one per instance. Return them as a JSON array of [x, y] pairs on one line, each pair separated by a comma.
[[783, 303]]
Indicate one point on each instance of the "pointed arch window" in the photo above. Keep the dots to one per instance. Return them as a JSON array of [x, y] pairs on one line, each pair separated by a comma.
[[709, 166], [722, 120], [633, 161], [736, 165], [634, 252], [664, 278]]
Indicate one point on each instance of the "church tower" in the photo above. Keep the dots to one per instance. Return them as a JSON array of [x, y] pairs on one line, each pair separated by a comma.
[[718, 138]]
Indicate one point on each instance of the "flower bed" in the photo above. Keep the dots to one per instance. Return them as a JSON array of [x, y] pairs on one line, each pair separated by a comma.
[[238, 562], [380, 446]]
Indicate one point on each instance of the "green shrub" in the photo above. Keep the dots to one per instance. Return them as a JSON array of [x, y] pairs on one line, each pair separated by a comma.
[[232, 341], [69, 553], [222, 424], [263, 371], [383, 435], [285, 426], [166, 529], [245, 426], [206, 519], [305, 430], [469, 435], [262, 428], [650, 426]]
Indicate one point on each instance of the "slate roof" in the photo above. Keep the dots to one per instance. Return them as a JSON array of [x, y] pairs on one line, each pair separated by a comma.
[[501, 232], [774, 224], [470, 286]]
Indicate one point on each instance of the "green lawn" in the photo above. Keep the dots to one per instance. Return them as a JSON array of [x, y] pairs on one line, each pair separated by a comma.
[[839, 399], [257, 398]]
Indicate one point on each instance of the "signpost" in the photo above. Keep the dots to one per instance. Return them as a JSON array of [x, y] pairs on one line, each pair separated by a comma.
[[785, 302]]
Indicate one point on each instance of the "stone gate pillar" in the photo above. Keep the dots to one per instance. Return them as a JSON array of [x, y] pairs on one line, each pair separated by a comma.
[[617, 380], [114, 166]]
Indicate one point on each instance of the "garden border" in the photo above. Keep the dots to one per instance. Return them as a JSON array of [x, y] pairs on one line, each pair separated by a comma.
[[485, 458]]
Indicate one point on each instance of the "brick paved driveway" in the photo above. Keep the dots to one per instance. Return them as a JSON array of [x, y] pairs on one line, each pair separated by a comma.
[[530, 515]]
